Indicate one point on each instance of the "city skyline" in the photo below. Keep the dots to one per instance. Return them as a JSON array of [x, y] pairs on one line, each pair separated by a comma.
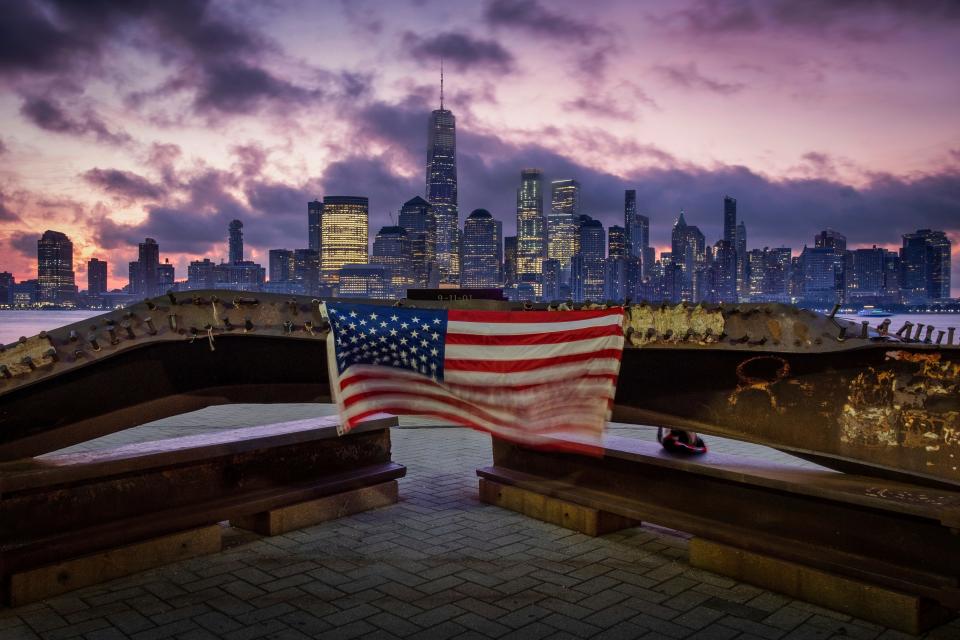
[[682, 124]]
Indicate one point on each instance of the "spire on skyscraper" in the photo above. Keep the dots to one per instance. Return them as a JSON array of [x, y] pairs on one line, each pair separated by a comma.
[[441, 84]]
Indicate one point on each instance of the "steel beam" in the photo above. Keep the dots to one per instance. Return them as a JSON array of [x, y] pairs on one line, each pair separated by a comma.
[[895, 535], [61, 506]]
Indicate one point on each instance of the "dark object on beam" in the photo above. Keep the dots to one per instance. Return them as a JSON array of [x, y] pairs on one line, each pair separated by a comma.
[[59, 507], [895, 536]]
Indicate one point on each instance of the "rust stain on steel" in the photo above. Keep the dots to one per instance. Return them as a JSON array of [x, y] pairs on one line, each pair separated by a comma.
[[760, 381], [645, 324], [914, 404], [27, 355]]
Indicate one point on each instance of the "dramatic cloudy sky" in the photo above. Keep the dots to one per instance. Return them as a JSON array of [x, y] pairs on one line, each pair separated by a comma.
[[120, 120]]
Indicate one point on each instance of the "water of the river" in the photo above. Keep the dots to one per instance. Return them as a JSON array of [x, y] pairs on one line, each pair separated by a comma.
[[14, 324]]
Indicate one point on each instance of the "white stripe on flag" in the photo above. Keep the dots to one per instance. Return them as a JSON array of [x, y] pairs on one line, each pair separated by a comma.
[[530, 352], [516, 328]]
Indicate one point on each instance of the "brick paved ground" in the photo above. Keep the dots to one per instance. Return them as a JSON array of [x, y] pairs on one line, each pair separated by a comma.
[[437, 565]]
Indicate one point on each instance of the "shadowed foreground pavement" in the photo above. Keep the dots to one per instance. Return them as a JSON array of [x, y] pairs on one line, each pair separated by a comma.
[[439, 564]]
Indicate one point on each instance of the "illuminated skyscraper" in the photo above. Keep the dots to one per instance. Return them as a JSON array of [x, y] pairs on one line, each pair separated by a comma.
[[145, 276], [281, 265], [562, 223], [866, 277], [636, 227], [740, 249], [166, 276], [688, 247], [925, 265], [531, 229], [442, 188], [616, 241], [55, 269], [481, 239], [416, 217], [236, 241], [306, 270], [730, 220], [392, 249], [7, 285], [510, 261], [96, 277], [314, 214], [830, 239], [201, 274], [343, 235]]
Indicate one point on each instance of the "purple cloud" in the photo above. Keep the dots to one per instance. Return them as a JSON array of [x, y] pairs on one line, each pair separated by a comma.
[[24, 243], [535, 18], [462, 50], [51, 116], [124, 184], [854, 19], [6, 214], [688, 76]]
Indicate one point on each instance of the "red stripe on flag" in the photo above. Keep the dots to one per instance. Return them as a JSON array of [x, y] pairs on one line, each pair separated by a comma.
[[469, 407], [549, 337], [510, 366], [545, 317], [551, 444], [387, 375]]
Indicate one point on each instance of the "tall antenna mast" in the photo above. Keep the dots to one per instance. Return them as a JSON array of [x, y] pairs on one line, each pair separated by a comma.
[[441, 84]]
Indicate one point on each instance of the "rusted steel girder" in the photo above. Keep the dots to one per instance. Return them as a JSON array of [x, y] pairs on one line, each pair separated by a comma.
[[878, 531], [879, 400], [61, 506]]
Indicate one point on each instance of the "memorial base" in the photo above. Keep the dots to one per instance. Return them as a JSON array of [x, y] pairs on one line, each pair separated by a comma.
[[54, 579], [305, 514], [901, 611], [586, 520]]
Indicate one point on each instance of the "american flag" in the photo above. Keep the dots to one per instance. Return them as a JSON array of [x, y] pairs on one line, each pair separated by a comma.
[[525, 376]]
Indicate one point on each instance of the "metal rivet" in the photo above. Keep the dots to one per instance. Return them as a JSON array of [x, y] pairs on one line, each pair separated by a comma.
[[27, 360], [5, 371], [926, 337], [52, 354], [884, 327], [173, 298], [865, 329], [920, 326], [92, 339], [950, 335], [73, 336], [172, 319], [247, 324], [152, 330], [228, 324], [940, 336], [905, 329], [126, 327]]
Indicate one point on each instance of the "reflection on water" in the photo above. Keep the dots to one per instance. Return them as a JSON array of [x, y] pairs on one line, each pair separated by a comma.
[[14, 324], [938, 320]]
